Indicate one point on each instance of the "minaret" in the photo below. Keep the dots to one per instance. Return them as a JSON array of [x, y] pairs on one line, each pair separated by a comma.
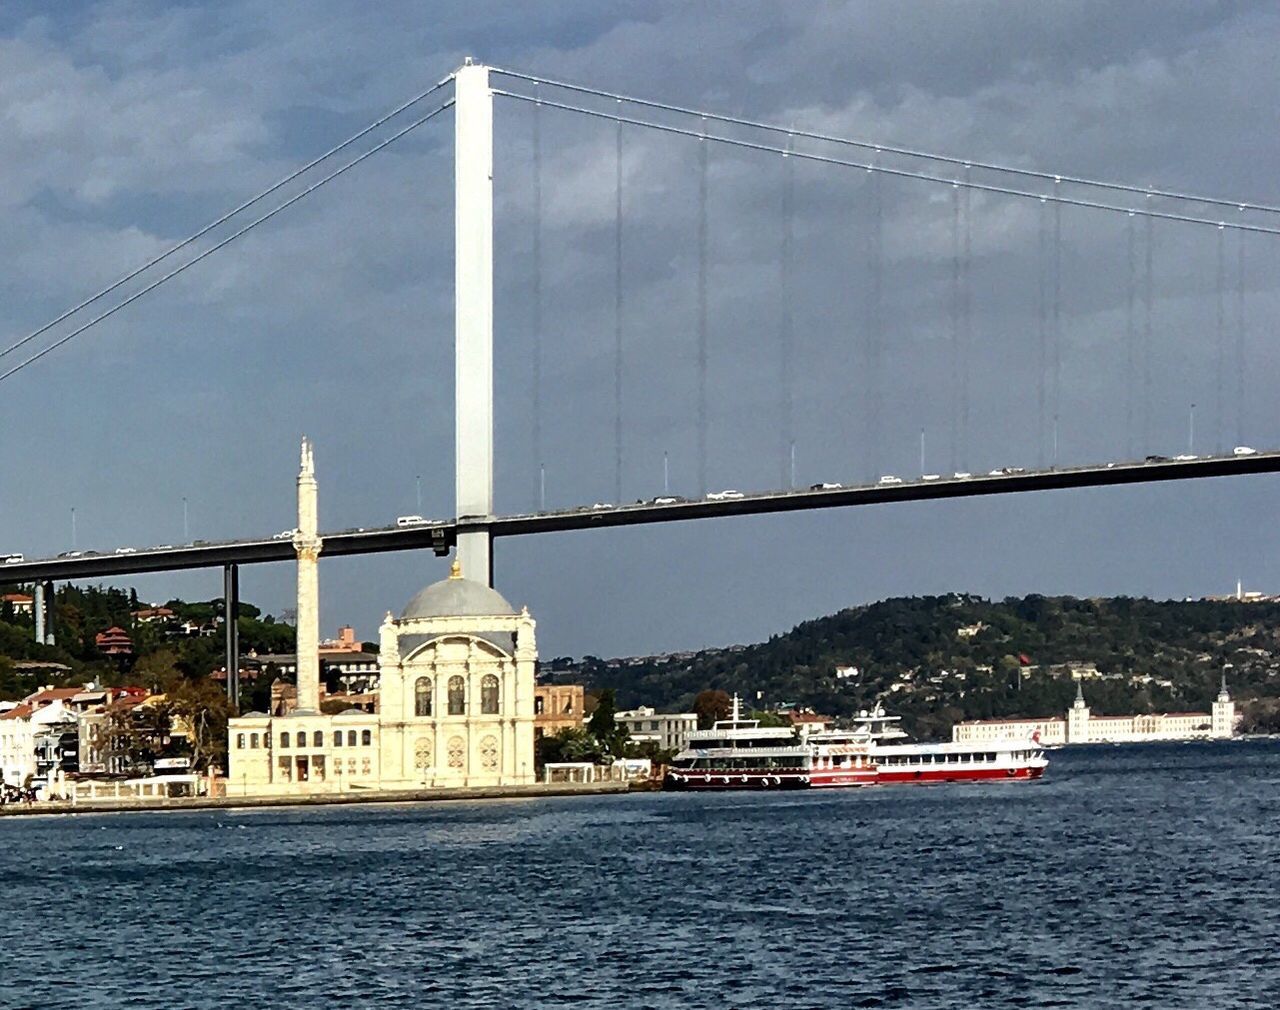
[[306, 541]]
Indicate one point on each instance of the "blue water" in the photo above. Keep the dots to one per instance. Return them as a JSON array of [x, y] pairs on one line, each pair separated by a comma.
[[1142, 875]]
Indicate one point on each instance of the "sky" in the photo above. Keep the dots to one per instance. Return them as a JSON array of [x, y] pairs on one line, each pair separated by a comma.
[[128, 126]]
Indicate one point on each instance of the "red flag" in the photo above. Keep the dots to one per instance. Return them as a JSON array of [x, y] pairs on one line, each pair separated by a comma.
[[1024, 659]]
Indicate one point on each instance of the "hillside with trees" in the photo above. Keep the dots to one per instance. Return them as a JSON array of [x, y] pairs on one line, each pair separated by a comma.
[[940, 659]]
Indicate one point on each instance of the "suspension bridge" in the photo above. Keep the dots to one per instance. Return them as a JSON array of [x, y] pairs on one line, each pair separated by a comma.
[[983, 303]]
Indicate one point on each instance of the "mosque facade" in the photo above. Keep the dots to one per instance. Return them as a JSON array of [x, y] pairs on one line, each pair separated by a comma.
[[456, 699]]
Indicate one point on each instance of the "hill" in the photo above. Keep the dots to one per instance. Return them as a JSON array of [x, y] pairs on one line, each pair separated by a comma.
[[939, 659]]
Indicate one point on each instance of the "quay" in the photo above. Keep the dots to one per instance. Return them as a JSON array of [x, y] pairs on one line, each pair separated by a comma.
[[452, 794]]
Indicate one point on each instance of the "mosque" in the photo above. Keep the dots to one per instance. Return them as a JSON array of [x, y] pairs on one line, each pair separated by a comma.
[[456, 702]]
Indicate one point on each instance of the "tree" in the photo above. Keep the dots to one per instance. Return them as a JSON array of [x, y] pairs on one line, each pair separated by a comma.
[[603, 723], [202, 709], [711, 705]]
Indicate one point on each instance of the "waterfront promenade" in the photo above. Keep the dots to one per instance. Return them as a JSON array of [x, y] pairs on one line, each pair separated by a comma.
[[355, 797]]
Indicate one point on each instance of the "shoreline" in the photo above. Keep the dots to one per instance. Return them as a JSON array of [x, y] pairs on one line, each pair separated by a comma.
[[55, 808]]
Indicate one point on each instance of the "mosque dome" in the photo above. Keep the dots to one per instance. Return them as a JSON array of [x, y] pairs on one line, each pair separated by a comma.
[[457, 597]]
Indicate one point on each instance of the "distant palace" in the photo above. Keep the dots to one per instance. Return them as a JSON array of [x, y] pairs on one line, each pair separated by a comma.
[[1081, 726]]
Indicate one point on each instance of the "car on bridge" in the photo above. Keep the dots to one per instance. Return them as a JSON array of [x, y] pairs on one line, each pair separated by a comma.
[[603, 505], [12, 559], [668, 499], [284, 535], [126, 550], [727, 495], [825, 487], [890, 479], [1243, 450], [406, 521]]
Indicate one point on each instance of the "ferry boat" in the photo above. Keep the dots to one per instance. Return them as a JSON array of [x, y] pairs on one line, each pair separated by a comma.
[[738, 753], [999, 760]]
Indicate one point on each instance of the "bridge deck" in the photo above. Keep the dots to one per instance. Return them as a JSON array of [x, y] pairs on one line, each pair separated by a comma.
[[442, 535]]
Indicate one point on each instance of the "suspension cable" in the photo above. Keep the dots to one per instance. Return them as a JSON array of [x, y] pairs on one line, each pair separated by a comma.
[[1220, 358], [785, 325], [538, 461], [226, 241], [890, 149], [225, 217], [980, 187], [1240, 339], [617, 316], [702, 317]]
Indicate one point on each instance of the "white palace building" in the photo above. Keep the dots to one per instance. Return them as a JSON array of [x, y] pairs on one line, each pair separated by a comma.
[[456, 700], [1080, 726]]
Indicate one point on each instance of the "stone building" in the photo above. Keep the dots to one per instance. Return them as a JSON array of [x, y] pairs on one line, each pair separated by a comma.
[[1080, 725], [456, 695], [557, 707]]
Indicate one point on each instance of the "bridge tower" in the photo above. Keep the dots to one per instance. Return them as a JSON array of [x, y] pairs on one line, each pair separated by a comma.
[[473, 313]]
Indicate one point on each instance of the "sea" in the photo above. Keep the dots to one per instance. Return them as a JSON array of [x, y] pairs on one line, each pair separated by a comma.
[[1141, 875]]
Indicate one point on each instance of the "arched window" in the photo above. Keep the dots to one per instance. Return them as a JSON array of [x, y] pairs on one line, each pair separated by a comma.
[[337, 738], [317, 739], [489, 695], [351, 740], [284, 739], [253, 741], [457, 695], [239, 741], [366, 737], [422, 696]]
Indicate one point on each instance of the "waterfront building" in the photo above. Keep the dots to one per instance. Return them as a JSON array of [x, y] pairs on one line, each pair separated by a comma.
[[557, 707], [1080, 725], [669, 730], [455, 708]]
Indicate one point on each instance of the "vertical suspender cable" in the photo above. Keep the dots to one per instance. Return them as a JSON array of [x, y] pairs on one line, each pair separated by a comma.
[[785, 328], [953, 372], [875, 322], [1129, 335], [702, 311], [1042, 302], [966, 314], [1057, 317], [617, 315], [539, 489], [1220, 357], [1148, 295], [1240, 339]]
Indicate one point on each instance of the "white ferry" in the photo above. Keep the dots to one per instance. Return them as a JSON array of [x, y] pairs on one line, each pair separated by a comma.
[[739, 753], [999, 760]]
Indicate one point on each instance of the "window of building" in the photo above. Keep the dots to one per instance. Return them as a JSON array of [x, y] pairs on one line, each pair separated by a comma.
[[286, 769], [364, 766], [303, 767], [489, 695], [537, 705], [457, 695], [239, 741], [489, 754], [422, 754], [351, 766], [366, 737], [253, 741], [317, 739], [284, 740], [457, 753], [337, 738], [422, 697], [351, 742]]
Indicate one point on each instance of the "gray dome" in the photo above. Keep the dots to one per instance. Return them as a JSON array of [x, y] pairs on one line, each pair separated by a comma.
[[457, 597]]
